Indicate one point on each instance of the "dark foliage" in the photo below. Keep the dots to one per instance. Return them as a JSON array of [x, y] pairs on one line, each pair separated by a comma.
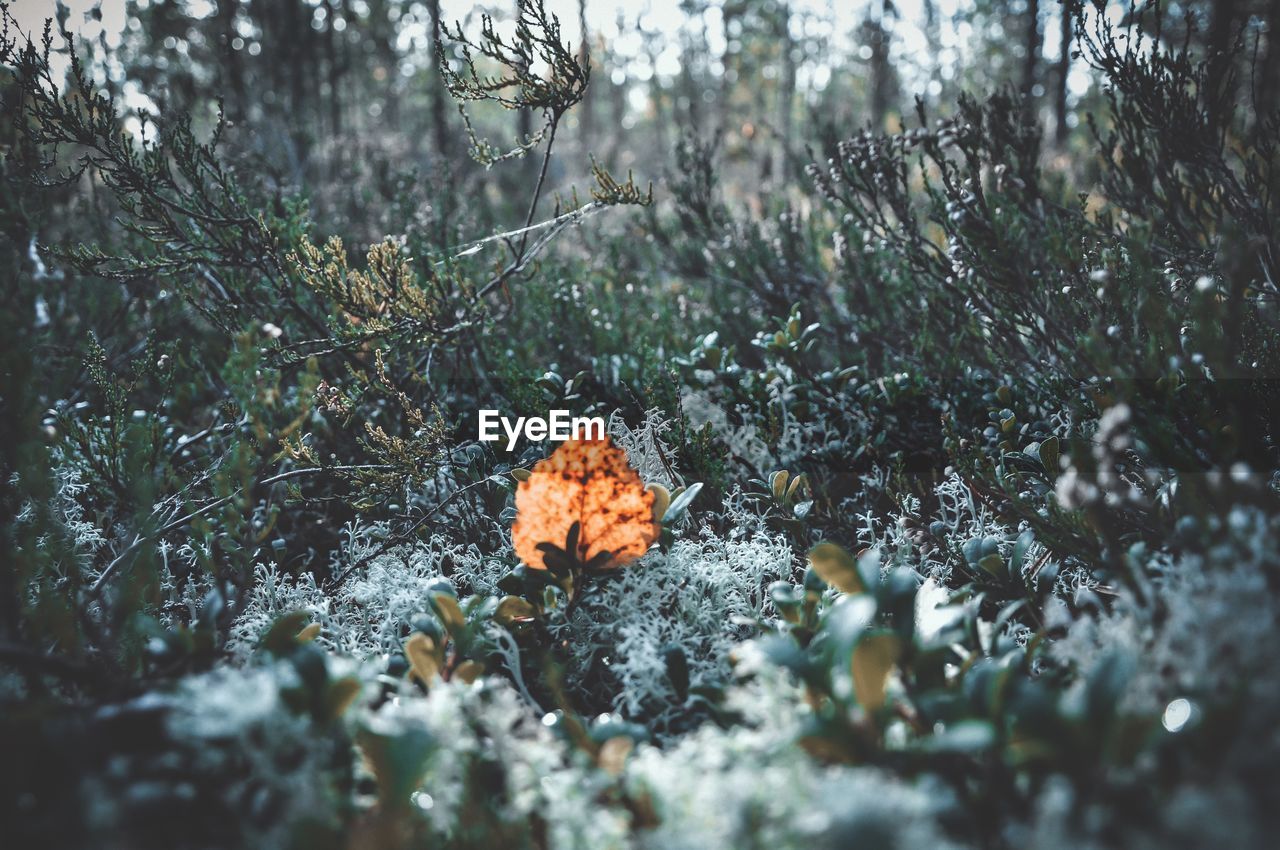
[[1015, 401]]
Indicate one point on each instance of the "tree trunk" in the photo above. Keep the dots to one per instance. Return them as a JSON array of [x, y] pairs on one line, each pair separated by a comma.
[[1031, 57], [1067, 37], [878, 35], [657, 97], [618, 104], [1222, 32], [728, 62], [383, 31], [933, 39], [335, 70], [234, 70], [439, 119], [689, 108], [786, 95], [289, 41]]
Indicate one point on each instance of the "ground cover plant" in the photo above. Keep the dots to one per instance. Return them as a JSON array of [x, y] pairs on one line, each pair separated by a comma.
[[938, 500]]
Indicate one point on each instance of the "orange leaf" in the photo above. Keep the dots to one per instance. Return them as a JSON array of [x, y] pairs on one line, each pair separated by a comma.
[[588, 482]]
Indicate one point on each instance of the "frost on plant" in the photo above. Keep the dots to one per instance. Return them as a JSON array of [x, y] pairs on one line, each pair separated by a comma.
[[648, 448], [940, 505], [372, 611], [1200, 628], [697, 600]]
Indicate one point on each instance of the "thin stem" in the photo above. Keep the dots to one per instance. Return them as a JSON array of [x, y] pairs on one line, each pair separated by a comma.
[[138, 540], [542, 177], [404, 535]]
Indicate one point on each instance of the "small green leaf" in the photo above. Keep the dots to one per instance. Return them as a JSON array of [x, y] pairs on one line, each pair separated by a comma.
[[424, 657], [869, 567], [873, 660], [994, 564], [340, 696], [514, 581], [847, 620], [661, 500], [784, 652], [681, 503], [556, 560], [571, 541], [801, 480], [398, 761], [1049, 455], [450, 613], [1104, 687], [778, 483], [836, 567], [513, 608], [468, 671], [283, 634], [787, 598]]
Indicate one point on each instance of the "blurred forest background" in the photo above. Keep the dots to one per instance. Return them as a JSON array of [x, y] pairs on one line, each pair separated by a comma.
[[341, 99]]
